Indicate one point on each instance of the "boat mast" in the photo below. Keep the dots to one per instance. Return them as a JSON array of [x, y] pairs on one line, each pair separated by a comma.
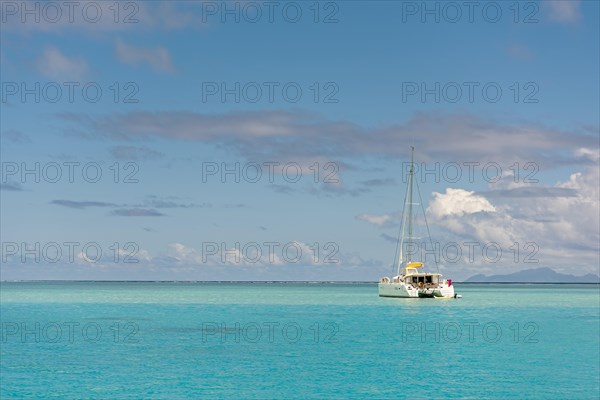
[[410, 200], [403, 223]]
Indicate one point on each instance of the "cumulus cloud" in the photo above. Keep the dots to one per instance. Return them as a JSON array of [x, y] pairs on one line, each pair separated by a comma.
[[561, 223], [54, 64], [532, 191], [158, 58], [457, 202]]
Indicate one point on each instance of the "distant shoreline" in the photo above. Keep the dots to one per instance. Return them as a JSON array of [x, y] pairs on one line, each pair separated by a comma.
[[286, 282]]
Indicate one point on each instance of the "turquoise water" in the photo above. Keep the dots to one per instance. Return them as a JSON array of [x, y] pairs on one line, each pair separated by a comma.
[[180, 340]]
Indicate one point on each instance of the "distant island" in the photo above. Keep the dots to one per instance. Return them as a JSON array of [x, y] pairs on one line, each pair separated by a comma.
[[536, 275]]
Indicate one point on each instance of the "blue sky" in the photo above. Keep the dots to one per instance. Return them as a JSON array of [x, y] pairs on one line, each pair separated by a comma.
[[189, 89]]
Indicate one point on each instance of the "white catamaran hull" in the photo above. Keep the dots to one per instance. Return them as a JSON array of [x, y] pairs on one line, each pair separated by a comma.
[[401, 290]]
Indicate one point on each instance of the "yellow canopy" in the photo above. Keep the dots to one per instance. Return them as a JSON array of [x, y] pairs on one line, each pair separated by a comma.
[[415, 264]]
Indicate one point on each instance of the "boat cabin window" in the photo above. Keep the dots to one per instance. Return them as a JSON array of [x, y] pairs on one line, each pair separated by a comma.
[[428, 279]]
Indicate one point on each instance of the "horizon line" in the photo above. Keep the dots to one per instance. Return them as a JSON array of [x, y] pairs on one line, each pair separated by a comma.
[[271, 281]]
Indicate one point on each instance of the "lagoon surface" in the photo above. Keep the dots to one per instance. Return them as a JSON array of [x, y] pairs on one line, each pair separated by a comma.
[[296, 340]]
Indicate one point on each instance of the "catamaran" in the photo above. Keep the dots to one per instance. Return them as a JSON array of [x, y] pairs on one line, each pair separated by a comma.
[[411, 280]]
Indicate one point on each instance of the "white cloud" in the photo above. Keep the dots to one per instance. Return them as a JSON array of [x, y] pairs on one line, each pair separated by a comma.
[[180, 251], [172, 15], [563, 224], [305, 138], [294, 135], [591, 154], [258, 256], [563, 11], [158, 58], [457, 202], [55, 65], [379, 220]]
